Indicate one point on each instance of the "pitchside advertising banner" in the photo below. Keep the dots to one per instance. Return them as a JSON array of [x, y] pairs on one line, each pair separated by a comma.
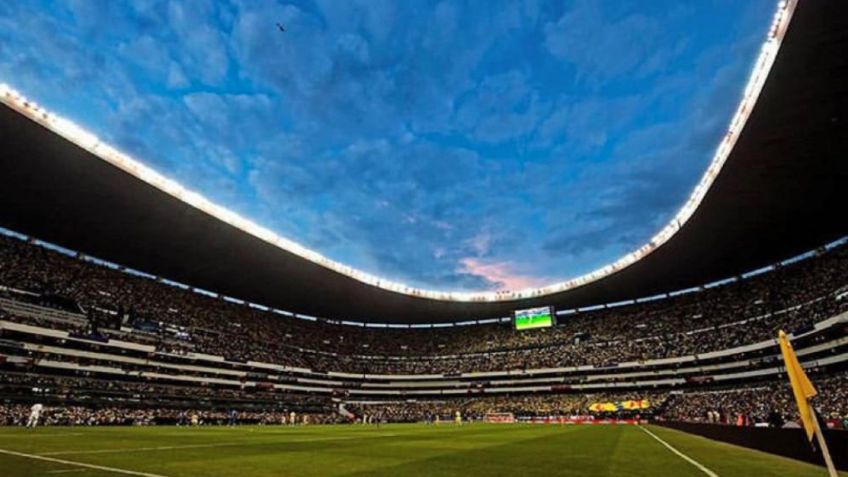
[[620, 406], [531, 318], [509, 418], [577, 420]]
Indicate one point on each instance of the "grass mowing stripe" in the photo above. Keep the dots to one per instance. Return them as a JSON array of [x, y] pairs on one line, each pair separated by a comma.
[[146, 449], [201, 446], [79, 464], [680, 454], [31, 435]]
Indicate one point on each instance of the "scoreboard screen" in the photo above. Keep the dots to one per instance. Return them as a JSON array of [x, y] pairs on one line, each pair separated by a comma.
[[534, 318]]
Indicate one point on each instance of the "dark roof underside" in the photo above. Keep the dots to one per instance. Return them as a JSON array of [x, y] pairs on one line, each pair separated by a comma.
[[784, 190]]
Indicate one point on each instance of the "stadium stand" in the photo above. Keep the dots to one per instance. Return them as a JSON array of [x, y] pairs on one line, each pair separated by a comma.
[[111, 346]]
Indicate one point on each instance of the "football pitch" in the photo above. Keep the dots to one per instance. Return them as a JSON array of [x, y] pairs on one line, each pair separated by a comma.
[[392, 450]]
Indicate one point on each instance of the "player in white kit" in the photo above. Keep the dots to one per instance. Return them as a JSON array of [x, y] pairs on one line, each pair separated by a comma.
[[34, 415]]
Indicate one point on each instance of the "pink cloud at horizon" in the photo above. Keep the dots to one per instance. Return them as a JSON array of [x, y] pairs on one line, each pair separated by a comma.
[[500, 272]]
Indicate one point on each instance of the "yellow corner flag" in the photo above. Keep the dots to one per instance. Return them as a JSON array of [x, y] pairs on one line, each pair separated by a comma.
[[804, 390], [801, 385]]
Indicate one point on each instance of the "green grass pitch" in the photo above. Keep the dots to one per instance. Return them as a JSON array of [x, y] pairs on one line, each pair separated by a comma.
[[393, 450]]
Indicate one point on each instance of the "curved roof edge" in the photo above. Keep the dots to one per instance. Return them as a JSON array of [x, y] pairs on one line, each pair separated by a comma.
[[828, 247], [90, 142]]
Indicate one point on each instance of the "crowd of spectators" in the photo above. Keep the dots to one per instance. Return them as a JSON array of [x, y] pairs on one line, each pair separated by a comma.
[[531, 405], [766, 403], [769, 403], [104, 301], [16, 415], [29, 386], [177, 320], [761, 404]]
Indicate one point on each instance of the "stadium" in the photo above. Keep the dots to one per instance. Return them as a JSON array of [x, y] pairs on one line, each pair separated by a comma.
[[147, 330]]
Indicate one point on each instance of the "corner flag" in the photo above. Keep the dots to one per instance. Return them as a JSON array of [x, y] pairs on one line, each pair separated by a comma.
[[801, 385], [803, 390]]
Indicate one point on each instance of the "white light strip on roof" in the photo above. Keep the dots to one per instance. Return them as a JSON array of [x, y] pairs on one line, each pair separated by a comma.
[[91, 143]]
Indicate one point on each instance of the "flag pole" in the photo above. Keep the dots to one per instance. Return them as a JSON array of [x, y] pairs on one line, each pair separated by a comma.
[[803, 390], [831, 469]]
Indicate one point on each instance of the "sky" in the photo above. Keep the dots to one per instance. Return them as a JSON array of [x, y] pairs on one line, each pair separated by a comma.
[[449, 145]]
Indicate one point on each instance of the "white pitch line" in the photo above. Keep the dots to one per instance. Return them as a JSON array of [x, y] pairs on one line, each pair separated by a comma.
[[680, 454], [79, 464]]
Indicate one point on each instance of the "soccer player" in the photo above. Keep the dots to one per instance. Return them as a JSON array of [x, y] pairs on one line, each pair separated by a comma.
[[457, 418], [34, 415], [293, 418]]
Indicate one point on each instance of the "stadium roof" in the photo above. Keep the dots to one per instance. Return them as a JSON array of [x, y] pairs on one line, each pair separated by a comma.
[[775, 189]]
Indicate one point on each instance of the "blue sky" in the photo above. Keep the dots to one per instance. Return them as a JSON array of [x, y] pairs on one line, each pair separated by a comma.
[[454, 145]]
